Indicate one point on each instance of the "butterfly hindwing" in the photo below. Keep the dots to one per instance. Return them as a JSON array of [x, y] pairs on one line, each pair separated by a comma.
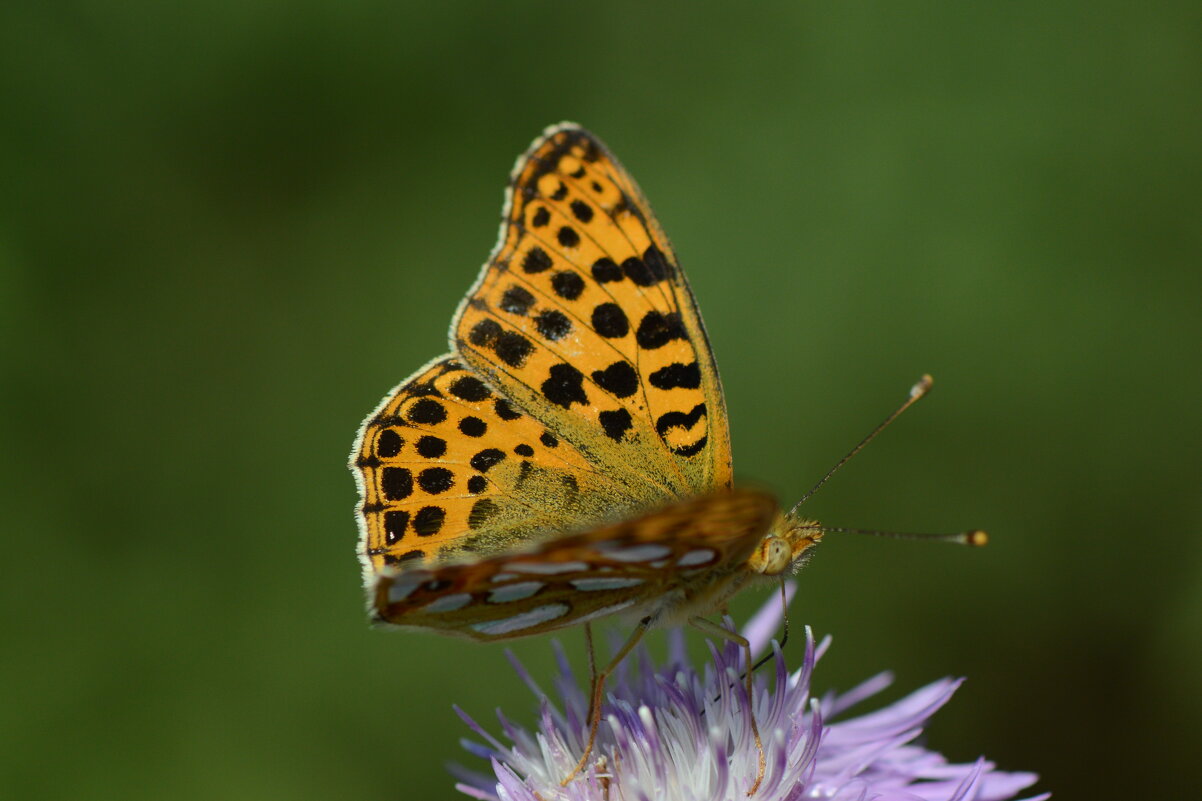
[[690, 548], [583, 316]]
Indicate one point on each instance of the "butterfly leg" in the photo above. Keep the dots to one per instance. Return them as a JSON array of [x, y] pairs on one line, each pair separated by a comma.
[[712, 629], [592, 664], [598, 686]]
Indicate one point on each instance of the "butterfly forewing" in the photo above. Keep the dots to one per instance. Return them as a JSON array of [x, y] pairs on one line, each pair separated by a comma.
[[676, 556], [583, 314]]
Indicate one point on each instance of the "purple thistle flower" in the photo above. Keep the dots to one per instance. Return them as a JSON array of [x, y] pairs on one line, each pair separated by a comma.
[[668, 733]]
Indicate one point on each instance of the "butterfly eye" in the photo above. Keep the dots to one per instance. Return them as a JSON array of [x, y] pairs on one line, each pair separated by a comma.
[[772, 558]]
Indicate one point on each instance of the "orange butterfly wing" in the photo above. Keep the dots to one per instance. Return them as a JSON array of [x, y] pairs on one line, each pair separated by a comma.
[[583, 313], [449, 469]]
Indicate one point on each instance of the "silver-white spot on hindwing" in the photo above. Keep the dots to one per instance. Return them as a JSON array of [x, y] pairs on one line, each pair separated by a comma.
[[448, 603], [701, 556], [402, 587], [638, 553], [525, 620], [514, 592], [587, 584], [605, 610], [546, 568]]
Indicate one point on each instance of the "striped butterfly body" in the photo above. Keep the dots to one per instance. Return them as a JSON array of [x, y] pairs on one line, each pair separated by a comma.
[[570, 457]]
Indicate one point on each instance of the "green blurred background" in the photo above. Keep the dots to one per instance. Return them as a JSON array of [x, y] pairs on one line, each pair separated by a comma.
[[227, 229]]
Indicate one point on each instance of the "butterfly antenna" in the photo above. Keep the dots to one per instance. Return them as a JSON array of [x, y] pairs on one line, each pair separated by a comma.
[[973, 537], [917, 391]]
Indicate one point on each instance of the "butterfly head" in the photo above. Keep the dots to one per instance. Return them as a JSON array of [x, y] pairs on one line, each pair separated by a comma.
[[786, 546]]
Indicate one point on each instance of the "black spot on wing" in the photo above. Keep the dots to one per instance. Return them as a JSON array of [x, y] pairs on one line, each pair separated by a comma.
[[486, 459], [516, 300], [389, 444], [690, 450], [469, 388], [615, 423], [568, 237], [482, 510], [582, 210], [484, 333], [670, 420], [394, 526], [429, 520], [605, 271], [504, 410], [513, 348], [657, 263], [435, 480], [657, 329], [619, 379], [686, 376], [684, 421], [639, 272], [510, 346], [421, 388], [409, 556], [386, 420], [565, 386], [567, 284], [397, 483], [610, 321], [473, 426], [426, 412], [536, 260], [431, 447], [553, 324]]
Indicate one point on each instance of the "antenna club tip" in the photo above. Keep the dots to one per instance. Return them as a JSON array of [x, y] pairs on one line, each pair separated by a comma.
[[976, 538], [922, 387]]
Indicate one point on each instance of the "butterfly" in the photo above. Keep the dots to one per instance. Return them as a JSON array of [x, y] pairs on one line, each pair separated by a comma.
[[569, 459]]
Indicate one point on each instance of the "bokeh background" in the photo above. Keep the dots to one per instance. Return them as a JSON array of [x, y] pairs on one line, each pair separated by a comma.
[[226, 229]]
